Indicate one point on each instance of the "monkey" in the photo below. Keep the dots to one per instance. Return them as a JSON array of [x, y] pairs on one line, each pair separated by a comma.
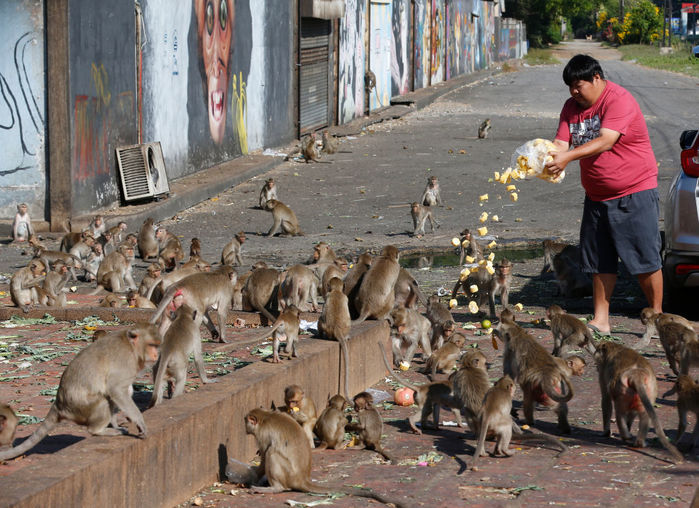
[[323, 253], [22, 224], [627, 382], [329, 143], [551, 248], [98, 382], [568, 332], [409, 328], [406, 290], [541, 380], [428, 397], [111, 300], [484, 129], [8, 425], [201, 291], [689, 356], [507, 315], [170, 249], [299, 284], [163, 282], [353, 281], [330, 426], [70, 239], [309, 149], [495, 416], [334, 322], [285, 457], [153, 274], [133, 299], [650, 318], [431, 195], [572, 282], [284, 219], [82, 251], [687, 401], [420, 214], [93, 262], [337, 269], [489, 285], [232, 252], [261, 290], [105, 241], [369, 425], [52, 293], [97, 226], [376, 294], [441, 320], [302, 410], [572, 365], [446, 356], [24, 283], [195, 249], [268, 192], [117, 232], [237, 302], [286, 325], [147, 242], [468, 246], [469, 386], [181, 339], [115, 272], [673, 337], [369, 81], [51, 256]]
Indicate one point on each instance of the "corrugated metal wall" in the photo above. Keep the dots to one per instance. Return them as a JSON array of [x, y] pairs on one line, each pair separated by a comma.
[[314, 72]]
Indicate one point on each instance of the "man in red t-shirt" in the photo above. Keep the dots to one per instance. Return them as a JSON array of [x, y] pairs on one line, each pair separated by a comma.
[[602, 126]]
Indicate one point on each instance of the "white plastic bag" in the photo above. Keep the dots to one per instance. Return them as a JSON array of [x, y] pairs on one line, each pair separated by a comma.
[[531, 157]]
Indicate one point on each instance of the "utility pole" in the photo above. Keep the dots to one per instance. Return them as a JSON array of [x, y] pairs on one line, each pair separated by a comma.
[[621, 11], [664, 20]]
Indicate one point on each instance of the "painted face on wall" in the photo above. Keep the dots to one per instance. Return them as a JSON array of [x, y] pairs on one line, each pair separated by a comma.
[[215, 28]]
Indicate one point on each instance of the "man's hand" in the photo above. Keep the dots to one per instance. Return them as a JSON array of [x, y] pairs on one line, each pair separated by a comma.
[[561, 158]]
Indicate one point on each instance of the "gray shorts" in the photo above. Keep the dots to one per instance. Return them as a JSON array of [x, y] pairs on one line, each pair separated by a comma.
[[625, 228]]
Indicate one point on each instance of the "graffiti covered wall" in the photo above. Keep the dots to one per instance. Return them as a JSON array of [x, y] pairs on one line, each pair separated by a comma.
[[421, 44], [350, 93], [400, 47], [380, 52], [22, 108], [437, 42]]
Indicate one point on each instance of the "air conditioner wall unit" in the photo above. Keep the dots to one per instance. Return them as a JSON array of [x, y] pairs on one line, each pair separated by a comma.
[[142, 171]]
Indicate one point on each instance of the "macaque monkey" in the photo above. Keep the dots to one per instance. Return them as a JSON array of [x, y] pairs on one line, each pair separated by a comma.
[[409, 329], [468, 247], [163, 282], [285, 326], [507, 315], [406, 290], [82, 251], [300, 284], [97, 383], [489, 285], [446, 356], [674, 337], [469, 386], [376, 294], [369, 425], [369, 81], [302, 409], [687, 401], [568, 332], [650, 318], [170, 249], [537, 373], [551, 248], [52, 293], [429, 399], [484, 129], [232, 252], [24, 283], [354, 278], [285, 457], [309, 149], [147, 242], [152, 275], [115, 273], [105, 241], [689, 356], [572, 365], [111, 300], [195, 249], [334, 322], [8, 425], [52, 256], [201, 291], [323, 253], [260, 291], [181, 339], [572, 282], [431, 195], [268, 192], [441, 320], [237, 302], [133, 299], [337, 269], [420, 214], [329, 143], [22, 224], [284, 219], [330, 427], [495, 417], [70, 239], [117, 232], [627, 382], [97, 226]]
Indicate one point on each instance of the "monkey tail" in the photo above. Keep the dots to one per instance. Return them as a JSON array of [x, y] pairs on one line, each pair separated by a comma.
[[99, 289], [420, 295], [480, 447], [345, 358], [46, 426], [398, 377], [551, 392], [636, 381], [521, 436], [159, 369], [152, 287], [164, 302], [310, 488]]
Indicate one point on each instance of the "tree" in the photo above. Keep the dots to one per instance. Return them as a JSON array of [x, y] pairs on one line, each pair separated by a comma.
[[542, 18]]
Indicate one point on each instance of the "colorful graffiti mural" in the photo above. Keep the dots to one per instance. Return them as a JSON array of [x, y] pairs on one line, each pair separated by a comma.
[[437, 42], [421, 43], [350, 93], [400, 47], [380, 52]]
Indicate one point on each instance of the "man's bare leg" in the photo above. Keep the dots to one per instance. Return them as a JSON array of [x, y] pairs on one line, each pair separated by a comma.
[[652, 285], [602, 289]]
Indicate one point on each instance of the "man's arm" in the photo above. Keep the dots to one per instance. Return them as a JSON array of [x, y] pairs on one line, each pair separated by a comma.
[[605, 141]]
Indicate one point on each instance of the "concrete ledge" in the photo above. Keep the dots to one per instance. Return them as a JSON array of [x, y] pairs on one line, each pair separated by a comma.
[[190, 438]]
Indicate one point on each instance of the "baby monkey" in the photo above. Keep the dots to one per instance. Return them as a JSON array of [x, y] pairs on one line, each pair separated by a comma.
[[330, 427], [302, 409], [568, 332], [369, 424], [22, 224], [420, 214]]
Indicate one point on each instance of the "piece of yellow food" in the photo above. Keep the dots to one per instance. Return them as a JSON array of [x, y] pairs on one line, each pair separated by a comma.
[[464, 273], [473, 288], [505, 177], [491, 256], [470, 259], [514, 196], [495, 218], [496, 174], [465, 244], [473, 307], [519, 307], [492, 244], [483, 217], [475, 269], [511, 188], [483, 197], [482, 231], [296, 409], [453, 303], [490, 269], [455, 242], [404, 366]]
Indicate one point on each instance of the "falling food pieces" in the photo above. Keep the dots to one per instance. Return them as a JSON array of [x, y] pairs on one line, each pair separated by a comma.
[[455, 242], [483, 197], [453, 303], [519, 307], [511, 188], [496, 175], [404, 366], [470, 259], [518, 219], [514, 196], [473, 307], [495, 218], [492, 244], [473, 288], [482, 231], [491, 256], [483, 217]]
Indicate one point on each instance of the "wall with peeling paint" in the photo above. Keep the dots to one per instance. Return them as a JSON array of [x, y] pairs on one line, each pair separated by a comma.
[[350, 93], [22, 108]]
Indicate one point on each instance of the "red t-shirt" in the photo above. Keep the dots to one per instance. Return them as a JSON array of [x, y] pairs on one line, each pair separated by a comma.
[[630, 165]]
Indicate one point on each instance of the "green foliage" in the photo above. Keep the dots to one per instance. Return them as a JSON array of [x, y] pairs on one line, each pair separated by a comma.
[[540, 57], [642, 24], [542, 18], [680, 60]]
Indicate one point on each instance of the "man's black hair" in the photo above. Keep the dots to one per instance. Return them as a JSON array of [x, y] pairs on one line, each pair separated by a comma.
[[581, 67]]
